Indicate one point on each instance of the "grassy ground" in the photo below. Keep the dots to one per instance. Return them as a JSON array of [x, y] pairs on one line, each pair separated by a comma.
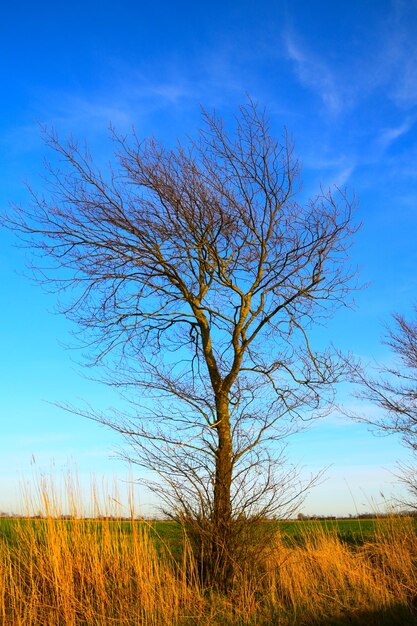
[[97, 573], [168, 535]]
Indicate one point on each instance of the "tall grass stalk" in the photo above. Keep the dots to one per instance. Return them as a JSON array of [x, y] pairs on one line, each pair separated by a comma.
[[101, 572]]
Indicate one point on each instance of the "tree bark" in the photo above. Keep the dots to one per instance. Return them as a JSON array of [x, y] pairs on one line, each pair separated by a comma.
[[222, 505]]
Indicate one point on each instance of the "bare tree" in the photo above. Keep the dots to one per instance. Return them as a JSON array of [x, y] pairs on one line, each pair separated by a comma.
[[394, 390], [198, 268]]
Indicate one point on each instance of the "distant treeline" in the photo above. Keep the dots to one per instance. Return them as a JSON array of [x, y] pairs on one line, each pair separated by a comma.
[[408, 513], [301, 517]]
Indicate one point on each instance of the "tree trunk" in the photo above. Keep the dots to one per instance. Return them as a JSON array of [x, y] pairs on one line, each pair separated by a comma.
[[222, 506]]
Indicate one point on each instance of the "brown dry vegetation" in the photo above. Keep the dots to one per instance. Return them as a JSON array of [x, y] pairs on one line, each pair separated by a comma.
[[57, 572]]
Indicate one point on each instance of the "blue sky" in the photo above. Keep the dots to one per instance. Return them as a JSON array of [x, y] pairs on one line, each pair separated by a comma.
[[342, 77]]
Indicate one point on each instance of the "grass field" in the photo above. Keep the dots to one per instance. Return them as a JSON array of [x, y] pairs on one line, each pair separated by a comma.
[[168, 535], [91, 573]]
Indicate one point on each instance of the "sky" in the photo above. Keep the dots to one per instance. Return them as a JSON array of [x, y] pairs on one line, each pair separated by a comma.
[[341, 77]]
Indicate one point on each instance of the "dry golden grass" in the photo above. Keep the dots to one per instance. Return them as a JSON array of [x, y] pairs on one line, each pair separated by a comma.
[[78, 572]]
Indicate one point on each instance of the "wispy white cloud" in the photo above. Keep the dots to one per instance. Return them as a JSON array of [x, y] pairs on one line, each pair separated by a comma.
[[94, 112], [313, 72], [333, 171], [385, 64], [131, 96], [389, 135], [339, 177], [400, 54], [343, 176], [88, 115], [405, 91]]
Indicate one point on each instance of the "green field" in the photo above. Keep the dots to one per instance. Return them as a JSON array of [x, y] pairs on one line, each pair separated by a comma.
[[354, 531]]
